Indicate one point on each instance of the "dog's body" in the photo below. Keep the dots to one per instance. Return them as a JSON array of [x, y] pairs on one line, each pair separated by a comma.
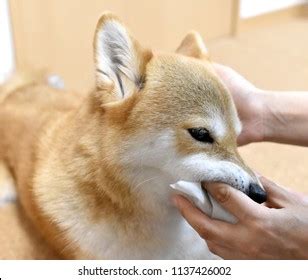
[[93, 173], [37, 119]]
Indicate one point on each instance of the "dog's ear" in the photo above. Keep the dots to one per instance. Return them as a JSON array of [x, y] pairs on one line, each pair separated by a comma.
[[193, 45], [119, 59]]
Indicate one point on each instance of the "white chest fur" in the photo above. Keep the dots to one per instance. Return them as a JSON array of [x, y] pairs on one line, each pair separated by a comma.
[[177, 240], [161, 233], [164, 234]]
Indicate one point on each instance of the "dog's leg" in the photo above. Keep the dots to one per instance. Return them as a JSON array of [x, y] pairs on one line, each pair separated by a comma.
[[7, 186]]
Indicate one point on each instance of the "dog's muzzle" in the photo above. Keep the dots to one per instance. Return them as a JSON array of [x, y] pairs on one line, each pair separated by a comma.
[[256, 193]]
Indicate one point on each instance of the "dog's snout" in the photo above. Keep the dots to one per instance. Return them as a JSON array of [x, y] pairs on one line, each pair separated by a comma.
[[256, 193]]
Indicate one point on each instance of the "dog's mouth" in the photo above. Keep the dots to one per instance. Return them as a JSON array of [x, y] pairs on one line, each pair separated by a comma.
[[206, 203], [203, 200], [254, 191], [196, 192]]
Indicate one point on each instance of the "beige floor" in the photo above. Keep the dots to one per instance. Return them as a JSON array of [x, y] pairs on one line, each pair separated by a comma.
[[272, 58]]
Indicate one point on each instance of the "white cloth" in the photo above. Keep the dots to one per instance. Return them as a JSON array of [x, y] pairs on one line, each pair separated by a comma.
[[203, 200]]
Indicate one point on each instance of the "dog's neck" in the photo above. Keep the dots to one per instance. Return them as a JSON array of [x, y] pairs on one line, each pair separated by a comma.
[[153, 188], [128, 183]]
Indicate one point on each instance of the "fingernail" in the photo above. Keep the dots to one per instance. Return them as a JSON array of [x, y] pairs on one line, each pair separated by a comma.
[[219, 191]]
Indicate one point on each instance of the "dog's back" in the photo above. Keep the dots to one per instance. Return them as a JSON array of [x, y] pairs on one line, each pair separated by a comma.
[[26, 102], [27, 105]]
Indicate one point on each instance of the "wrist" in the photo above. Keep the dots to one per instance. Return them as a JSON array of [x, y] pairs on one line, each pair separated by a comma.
[[275, 118], [259, 112], [283, 117], [264, 101]]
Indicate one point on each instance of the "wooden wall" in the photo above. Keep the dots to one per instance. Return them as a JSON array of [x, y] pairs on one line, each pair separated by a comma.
[[57, 34]]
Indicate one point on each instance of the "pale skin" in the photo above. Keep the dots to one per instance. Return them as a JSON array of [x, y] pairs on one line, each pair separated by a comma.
[[277, 229]]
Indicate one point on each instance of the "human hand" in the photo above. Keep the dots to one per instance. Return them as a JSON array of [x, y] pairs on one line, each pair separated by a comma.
[[277, 230], [248, 101]]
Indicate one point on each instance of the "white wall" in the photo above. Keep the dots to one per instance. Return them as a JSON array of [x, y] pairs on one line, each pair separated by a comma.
[[6, 44], [251, 8]]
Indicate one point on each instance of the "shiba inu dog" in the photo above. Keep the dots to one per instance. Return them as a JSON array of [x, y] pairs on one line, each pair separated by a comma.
[[93, 173]]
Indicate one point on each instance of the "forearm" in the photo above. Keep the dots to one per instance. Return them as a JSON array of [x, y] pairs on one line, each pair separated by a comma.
[[285, 117]]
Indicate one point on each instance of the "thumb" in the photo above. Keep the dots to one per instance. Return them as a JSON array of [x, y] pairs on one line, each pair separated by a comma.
[[236, 202]]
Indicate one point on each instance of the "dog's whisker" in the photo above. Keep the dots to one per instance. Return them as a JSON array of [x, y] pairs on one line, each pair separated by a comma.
[[143, 182]]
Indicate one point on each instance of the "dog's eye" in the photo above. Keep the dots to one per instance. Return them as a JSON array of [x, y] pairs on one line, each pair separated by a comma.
[[201, 134]]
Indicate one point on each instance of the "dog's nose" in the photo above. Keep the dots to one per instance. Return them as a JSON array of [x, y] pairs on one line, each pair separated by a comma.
[[256, 193]]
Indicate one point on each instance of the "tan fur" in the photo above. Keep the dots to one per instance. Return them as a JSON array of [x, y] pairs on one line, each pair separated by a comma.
[[65, 151]]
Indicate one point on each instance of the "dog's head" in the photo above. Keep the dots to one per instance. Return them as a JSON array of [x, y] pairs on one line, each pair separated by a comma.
[[169, 112]]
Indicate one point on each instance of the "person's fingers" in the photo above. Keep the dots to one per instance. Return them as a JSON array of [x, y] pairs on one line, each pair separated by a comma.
[[277, 196], [242, 139], [236, 202], [219, 67], [224, 72], [206, 227]]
